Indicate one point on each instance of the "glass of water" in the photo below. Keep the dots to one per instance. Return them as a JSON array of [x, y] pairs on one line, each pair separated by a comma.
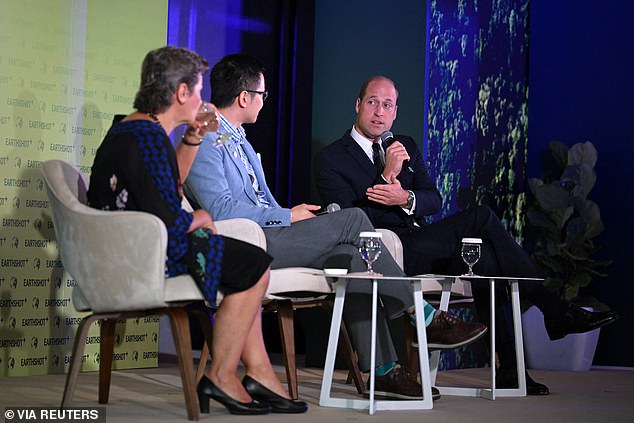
[[470, 253], [370, 247]]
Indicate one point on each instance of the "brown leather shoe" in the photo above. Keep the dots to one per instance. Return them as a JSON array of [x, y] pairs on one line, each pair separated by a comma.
[[446, 332], [399, 383]]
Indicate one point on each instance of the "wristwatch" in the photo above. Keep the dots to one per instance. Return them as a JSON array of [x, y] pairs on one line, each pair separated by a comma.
[[410, 200]]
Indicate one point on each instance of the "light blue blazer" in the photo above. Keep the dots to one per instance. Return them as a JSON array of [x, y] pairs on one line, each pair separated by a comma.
[[219, 183]]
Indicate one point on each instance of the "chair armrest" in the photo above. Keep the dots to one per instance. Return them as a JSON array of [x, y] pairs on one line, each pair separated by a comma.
[[116, 258], [243, 229], [393, 244]]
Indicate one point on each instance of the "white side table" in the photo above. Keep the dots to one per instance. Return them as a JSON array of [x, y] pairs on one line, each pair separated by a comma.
[[325, 398], [492, 392]]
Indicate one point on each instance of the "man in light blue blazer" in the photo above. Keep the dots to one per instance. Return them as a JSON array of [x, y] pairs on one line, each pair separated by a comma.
[[228, 181]]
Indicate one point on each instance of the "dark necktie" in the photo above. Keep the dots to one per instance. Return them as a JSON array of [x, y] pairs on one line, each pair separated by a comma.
[[376, 157]]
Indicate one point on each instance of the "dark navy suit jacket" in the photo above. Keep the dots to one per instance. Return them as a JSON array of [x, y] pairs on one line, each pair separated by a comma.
[[343, 172]]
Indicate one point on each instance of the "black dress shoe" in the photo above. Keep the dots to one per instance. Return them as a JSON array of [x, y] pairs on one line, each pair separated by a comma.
[[577, 320], [265, 396], [507, 379], [206, 389]]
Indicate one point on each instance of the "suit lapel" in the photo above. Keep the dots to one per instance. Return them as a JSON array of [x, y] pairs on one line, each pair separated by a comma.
[[232, 150], [359, 156], [259, 172]]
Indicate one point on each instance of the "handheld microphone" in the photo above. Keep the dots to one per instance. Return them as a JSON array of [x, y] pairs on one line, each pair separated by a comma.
[[388, 138], [330, 208]]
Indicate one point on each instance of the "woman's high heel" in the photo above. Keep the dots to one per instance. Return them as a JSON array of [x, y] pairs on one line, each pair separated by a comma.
[[264, 395], [207, 389]]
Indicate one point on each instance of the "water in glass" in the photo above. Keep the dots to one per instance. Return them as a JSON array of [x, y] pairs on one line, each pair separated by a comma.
[[370, 247], [470, 252]]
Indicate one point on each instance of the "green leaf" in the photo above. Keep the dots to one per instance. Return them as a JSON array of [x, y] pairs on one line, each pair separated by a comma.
[[551, 196], [582, 153]]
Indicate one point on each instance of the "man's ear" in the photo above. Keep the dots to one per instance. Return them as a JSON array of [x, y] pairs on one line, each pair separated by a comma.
[[243, 99], [182, 93], [356, 106]]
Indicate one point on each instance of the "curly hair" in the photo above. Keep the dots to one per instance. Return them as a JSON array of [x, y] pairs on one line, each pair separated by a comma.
[[232, 75], [162, 71]]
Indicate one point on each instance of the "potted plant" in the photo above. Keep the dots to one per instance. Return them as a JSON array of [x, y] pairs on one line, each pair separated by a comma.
[[563, 223]]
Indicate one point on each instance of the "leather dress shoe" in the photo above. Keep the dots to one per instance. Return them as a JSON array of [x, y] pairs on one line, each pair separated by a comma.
[[506, 378], [577, 320], [265, 396], [399, 383], [446, 332], [207, 389]]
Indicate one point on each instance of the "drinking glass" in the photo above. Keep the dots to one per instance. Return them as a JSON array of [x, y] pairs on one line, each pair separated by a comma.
[[208, 117], [470, 253], [370, 247], [205, 114]]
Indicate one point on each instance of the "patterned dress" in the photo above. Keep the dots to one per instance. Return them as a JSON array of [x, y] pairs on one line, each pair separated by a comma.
[[135, 168]]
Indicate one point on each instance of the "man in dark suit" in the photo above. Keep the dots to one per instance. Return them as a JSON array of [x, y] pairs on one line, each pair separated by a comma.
[[391, 184]]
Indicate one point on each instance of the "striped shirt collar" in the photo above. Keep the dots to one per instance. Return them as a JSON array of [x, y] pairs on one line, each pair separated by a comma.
[[238, 135]]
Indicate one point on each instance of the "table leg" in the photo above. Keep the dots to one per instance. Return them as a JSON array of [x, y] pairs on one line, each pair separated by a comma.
[[325, 398], [519, 338], [520, 391], [423, 360], [335, 325], [444, 306], [492, 329], [493, 392], [373, 346]]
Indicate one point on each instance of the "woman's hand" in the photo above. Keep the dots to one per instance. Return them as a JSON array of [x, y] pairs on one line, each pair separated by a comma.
[[206, 121], [202, 219], [192, 138]]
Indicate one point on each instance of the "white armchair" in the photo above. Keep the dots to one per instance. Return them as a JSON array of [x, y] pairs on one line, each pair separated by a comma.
[[118, 262]]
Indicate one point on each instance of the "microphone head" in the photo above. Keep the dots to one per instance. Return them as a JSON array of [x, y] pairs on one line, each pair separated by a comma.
[[333, 207], [386, 135]]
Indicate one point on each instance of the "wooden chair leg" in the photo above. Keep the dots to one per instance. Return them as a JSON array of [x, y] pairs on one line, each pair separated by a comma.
[[75, 364], [182, 341], [287, 334], [202, 364], [205, 319], [106, 349]]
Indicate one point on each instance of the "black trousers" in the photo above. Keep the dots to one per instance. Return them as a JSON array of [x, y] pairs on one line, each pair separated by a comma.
[[435, 248]]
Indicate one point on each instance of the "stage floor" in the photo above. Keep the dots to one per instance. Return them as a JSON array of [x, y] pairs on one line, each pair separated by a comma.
[[154, 395]]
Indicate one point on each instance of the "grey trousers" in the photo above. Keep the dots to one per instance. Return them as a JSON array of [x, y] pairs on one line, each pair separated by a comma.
[[310, 242]]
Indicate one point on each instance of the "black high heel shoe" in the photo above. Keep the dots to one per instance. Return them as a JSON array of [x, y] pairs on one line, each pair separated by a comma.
[[264, 395], [206, 389]]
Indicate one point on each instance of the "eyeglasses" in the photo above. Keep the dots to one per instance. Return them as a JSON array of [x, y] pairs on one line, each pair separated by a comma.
[[264, 93]]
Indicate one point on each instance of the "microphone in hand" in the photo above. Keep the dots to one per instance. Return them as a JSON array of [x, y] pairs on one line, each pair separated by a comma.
[[388, 138], [330, 208]]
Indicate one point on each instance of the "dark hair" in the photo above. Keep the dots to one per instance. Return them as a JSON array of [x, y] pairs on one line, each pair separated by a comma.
[[371, 79], [162, 71], [232, 75]]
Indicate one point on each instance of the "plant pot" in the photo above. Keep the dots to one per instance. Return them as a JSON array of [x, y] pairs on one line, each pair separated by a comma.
[[574, 352]]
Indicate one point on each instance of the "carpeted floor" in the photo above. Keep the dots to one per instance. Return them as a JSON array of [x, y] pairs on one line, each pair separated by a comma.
[[155, 395]]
